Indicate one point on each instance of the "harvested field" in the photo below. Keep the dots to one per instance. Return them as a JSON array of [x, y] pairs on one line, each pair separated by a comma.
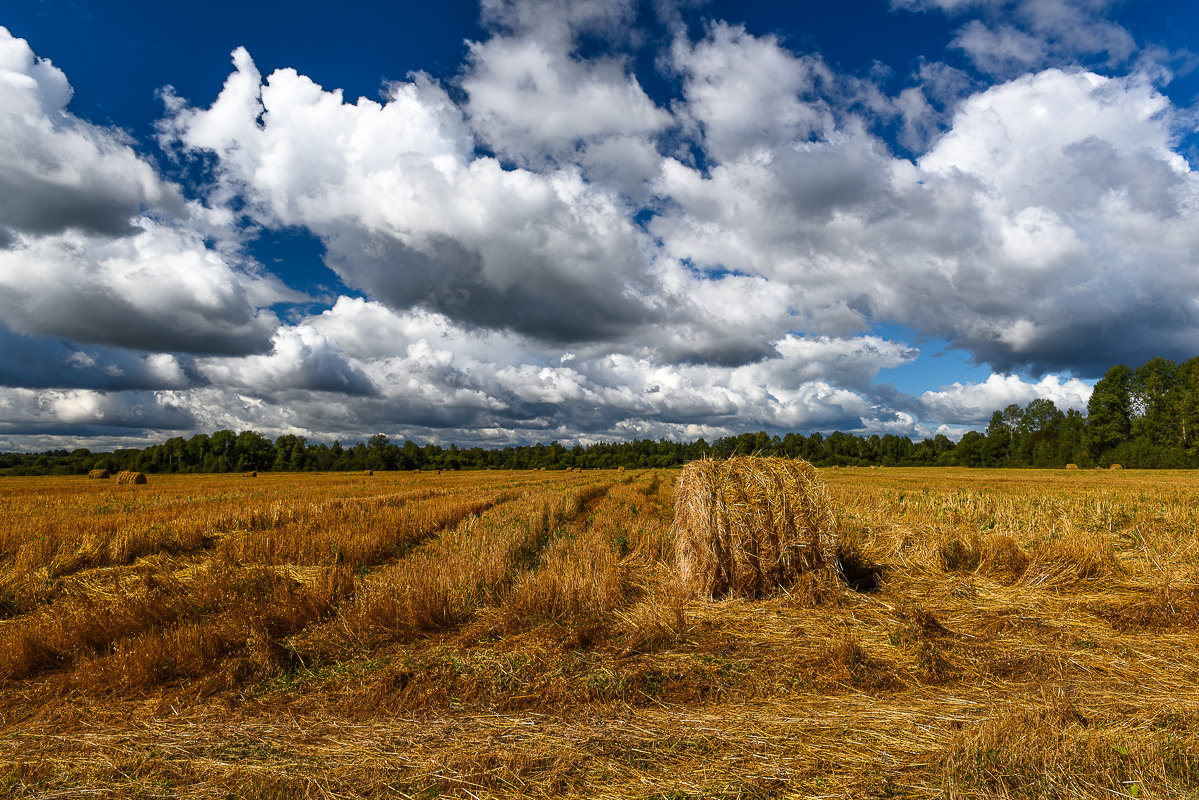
[[1015, 634]]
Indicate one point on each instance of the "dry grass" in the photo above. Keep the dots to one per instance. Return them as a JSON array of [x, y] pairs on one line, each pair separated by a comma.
[[1031, 634]]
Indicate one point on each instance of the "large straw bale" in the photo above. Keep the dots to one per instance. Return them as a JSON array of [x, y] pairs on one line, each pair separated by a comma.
[[100, 474], [125, 476], [750, 526]]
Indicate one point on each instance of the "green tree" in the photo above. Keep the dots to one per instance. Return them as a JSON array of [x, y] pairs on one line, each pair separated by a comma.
[[1154, 402], [1003, 435], [291, 453], [1109, 411], [971, 451], [1186, 406], [252, 451], [219, 448], [1040, 426]]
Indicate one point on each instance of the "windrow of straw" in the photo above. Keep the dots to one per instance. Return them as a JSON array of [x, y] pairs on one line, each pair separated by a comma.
[[751, 526], [125, 476]]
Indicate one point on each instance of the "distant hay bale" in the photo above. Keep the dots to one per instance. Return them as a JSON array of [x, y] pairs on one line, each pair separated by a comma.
[[1116, 466], [1071, 466], [251, 474], [100, 474], [127, 476], [620, 469], [750, 526], [370, 472]]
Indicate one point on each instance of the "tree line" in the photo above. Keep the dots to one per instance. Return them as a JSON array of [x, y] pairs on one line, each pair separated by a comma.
[[1146, 417]]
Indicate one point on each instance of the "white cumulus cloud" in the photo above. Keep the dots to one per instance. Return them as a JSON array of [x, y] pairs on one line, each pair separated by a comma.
[[973, 403]]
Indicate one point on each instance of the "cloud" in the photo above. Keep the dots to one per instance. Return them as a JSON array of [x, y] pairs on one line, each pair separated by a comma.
[[433, 379], [47, 363], [559, 19], [82, 412], [541, 250], [160, 289], [407, 214], [98, 249], [1015, 36], [1086, 216], [800, 219], [58, 173], [301, 360], [1024, 236], [973, 403], [745, 93], [534, 102]]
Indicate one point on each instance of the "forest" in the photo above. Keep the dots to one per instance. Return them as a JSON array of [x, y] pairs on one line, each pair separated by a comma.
[[1140, 418]]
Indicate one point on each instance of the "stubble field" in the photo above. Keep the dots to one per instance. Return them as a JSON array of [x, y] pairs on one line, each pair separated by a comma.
[[1031, 634]]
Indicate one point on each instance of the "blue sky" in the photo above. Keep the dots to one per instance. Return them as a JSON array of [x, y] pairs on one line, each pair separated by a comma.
[[527, 220]]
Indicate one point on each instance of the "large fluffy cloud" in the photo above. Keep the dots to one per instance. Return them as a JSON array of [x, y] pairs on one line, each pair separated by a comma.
[[97, 248], [747, 94], [408, 214], [1051, 227], [56, 171], [1085, 251], [534, 101], [159, 289]]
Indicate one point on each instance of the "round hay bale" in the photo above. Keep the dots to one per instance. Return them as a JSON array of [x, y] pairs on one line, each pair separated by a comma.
[[1071, 466], [1116, 466], [127, 476], [99, 474], [749, 526]]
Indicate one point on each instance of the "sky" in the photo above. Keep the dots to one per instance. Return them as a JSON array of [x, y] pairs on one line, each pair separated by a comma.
[[515, 221]]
